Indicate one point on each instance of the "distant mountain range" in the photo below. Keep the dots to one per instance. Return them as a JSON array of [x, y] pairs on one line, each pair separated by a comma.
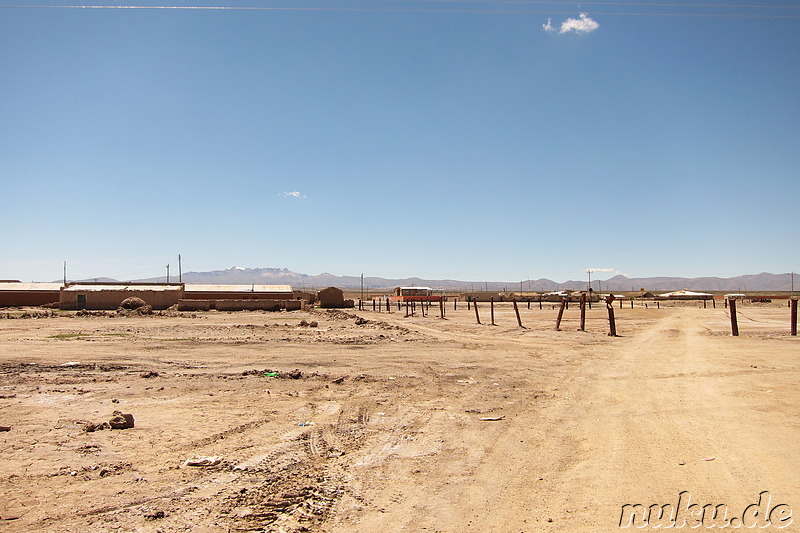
[[283, 276]]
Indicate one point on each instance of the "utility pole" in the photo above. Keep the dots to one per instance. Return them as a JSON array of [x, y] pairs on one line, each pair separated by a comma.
[[65, 273], [362, 286], [167, 272], [180, 278]]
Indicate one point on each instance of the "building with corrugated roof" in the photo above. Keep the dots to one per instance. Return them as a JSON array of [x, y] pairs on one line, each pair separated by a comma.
[[100, 296], [17, 294], [198, 291]]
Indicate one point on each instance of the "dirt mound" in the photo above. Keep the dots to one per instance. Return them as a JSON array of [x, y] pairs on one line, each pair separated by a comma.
[[132, 303]]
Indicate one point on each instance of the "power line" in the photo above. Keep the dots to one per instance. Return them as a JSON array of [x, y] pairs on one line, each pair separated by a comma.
[[474, 11]]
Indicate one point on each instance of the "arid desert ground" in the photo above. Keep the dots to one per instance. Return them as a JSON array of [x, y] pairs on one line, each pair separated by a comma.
[[396, 424]]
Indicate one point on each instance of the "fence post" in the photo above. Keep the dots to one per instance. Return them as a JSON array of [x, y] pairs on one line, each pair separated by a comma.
[[794, 317], [560, 313], [441, 307], [475, 305], [407, 306], [734, 323], [469, 301], [583, 312], [516, 310], [455, 303], [373, 304], [612, 323], [491, 308], [540, 303]]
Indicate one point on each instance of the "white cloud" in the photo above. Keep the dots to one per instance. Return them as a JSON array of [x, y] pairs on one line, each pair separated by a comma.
[[293, 194], [612, 270], [548, 26], [582, 25]]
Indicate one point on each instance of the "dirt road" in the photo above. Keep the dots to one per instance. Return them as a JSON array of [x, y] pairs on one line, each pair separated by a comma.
[[397, 424]]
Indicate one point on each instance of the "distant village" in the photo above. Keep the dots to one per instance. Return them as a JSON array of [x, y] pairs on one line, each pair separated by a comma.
[[204, 297]]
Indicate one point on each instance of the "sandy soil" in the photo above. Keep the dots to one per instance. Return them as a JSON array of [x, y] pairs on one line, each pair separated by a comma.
[[396, 424]]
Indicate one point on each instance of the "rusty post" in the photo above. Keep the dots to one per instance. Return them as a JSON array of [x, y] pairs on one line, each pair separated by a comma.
[[793, 320], [516, 310], [475, 305], [734, 323], [583, 312], [491, 309], [612, 323], [560, 313]]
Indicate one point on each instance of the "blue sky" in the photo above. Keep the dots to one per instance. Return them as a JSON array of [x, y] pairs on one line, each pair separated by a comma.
[[460, 140]]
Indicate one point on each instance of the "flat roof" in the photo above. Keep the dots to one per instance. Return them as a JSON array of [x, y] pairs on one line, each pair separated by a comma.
[[78, 287], [202, 287], [17, 286]]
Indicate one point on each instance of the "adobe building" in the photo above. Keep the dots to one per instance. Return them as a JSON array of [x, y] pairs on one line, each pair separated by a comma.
[[331, 297], [108, 296], [16, 294], [199, 291]]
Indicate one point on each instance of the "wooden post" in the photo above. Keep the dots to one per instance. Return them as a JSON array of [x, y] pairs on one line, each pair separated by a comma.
[[469, 301], [560, 313], [407, 306], [726, 302], [455, 303], [529, 303], [388, 307], [516, 310], [540, 302], [373, 304], [631, 303], [491, 309], [612, 324], [704, 304], [359, 304], [714, 302], [475, 305], [734, 323], [658, 304], [441, 307], [583, 312], [793, 319]]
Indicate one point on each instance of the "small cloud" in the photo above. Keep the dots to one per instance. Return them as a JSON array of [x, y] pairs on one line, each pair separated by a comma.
[[548, 26], [293, 194], [582, 25], [612, 270]]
